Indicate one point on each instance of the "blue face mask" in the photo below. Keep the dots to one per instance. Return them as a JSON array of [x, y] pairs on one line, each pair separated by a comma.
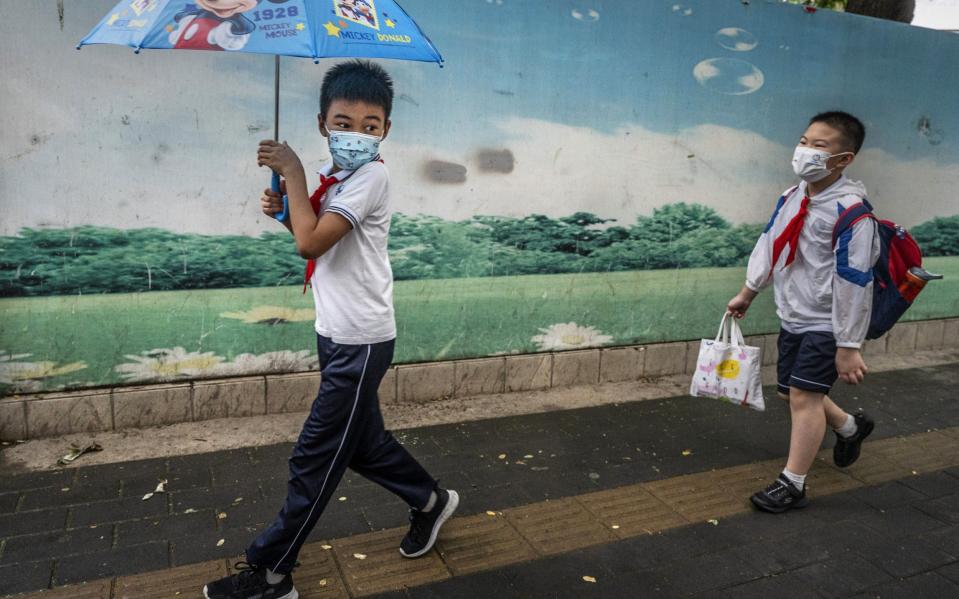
[[351, 150]]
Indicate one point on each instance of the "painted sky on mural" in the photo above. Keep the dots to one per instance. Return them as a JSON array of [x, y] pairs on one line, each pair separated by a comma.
[[549, 107]]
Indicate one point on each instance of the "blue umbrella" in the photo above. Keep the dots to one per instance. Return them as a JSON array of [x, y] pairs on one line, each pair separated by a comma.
[[304, 28]]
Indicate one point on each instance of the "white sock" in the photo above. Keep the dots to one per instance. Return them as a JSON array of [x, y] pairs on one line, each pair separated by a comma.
[[849, 428], [798, 480], [430, 503], [274, 578]]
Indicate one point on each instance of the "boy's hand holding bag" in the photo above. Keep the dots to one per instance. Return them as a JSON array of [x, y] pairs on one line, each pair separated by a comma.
[[729, 369]]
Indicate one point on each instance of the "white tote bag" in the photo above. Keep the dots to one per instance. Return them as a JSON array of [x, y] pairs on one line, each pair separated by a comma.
[[729, 369]]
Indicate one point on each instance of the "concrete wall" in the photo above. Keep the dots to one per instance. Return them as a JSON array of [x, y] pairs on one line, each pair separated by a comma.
[[645, 116]]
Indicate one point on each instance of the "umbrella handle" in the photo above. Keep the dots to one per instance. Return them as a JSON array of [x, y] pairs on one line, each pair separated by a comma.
[[275, 185]]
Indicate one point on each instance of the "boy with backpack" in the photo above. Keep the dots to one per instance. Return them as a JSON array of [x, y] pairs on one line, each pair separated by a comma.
[[824, 298]]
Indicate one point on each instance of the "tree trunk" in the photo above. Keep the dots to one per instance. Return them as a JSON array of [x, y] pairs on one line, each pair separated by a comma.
[[892, 10]]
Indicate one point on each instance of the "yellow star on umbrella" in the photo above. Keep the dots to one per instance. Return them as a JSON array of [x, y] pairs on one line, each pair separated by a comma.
[[390, 23], [300, 26], [331, 29]]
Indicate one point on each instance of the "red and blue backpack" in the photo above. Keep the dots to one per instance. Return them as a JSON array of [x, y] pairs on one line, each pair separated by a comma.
[[898, 252]]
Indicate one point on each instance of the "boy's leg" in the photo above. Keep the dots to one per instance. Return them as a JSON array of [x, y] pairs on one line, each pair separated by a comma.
[[382, 459], [330, 436], [814, 371], [836, 417], [850, 430], [805, 371], [808, 415]]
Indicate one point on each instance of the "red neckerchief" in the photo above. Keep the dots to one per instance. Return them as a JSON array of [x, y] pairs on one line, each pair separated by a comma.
[[316, 201], [790, 235]]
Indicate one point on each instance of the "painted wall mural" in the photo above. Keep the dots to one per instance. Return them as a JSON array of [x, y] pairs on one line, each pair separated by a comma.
[[580, 174]]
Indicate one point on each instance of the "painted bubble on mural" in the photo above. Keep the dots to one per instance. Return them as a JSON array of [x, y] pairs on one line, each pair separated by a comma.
[[736, 39], [730, 76], [590, 14]]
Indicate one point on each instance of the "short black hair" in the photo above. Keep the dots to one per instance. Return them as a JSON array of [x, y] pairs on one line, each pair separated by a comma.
[[357, 80], [851, 129]]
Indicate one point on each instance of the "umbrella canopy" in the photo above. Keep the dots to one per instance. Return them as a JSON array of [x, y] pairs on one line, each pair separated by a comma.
[[305, 28]]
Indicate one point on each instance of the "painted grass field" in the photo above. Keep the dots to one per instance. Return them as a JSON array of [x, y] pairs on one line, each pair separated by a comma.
[[52, 342]]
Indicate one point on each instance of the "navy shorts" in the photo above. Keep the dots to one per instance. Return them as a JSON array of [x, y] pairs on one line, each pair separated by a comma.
[[807, 361]]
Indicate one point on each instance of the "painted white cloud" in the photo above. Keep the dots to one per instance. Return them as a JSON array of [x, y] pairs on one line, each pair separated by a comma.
[[560, 169]]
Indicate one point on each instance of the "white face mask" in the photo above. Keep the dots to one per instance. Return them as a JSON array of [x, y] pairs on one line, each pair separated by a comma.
[[809, 164]]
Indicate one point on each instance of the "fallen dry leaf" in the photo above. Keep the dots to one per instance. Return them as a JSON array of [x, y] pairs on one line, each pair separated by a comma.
[[528, 456], [322, 582], [713, 521], [615, 526], [490, 513], [359, 555], [343, 498], [189, 510], [589, 579], [221, 515], [501, 456], [326, 547], [220, 542], [687, 452]]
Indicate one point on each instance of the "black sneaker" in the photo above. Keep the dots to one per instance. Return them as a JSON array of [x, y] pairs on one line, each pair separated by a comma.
[[424, 526], [780, 496], [249, 582], [846, 451]]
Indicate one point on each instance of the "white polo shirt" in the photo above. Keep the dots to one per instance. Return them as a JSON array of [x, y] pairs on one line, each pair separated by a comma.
[[353, 282]]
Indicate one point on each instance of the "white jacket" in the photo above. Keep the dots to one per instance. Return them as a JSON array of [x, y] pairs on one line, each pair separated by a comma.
[[824, 289]]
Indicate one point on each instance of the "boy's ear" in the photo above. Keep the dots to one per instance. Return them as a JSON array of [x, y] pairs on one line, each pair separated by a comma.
[[319, 122], [386, 128]]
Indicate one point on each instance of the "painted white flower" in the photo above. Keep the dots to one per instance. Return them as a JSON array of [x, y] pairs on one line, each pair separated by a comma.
[[569, 335], [168, 364], [274, 361], [28, 376], [272, 315]]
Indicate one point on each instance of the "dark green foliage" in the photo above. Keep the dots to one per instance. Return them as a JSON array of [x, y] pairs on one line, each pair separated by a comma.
[[99, 260], [938, 237]]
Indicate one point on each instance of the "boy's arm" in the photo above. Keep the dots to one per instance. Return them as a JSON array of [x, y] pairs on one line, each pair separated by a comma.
[[856, 252], [759, 271], [759, 268], [313, 236]]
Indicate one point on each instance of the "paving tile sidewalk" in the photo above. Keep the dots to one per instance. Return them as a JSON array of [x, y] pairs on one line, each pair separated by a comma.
[[85, 523], [899, 539]]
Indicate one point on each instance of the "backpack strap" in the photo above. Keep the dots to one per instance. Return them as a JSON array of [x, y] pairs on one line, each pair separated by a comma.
[[849, 217]]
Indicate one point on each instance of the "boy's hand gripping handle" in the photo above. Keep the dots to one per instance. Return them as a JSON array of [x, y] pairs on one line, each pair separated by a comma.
[[275, 185]]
